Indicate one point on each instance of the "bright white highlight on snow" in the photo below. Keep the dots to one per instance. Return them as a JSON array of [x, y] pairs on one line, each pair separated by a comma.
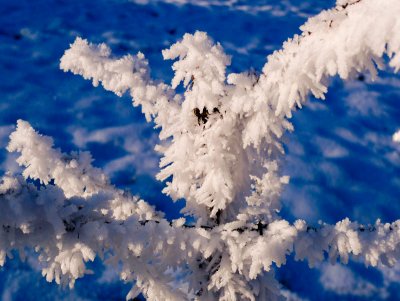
[[221, 148], [396, 137]]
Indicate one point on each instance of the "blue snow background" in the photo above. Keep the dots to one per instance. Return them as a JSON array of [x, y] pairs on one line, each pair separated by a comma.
[[341, 158]]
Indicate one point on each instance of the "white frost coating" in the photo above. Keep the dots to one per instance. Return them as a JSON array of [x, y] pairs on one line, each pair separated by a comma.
[[72, 173], [203, 127], [373, 243], [69, 232], [128, 73], [348, 39], [92, 63], [221, 153], [342, 41], [201, 65]]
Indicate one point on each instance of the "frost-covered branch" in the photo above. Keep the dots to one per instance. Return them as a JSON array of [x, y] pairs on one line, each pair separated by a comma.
[[69, 232], [373, 244], [204, 126], [87, 216], [348, 39], [351, 38], [73, 173], [221, 147], [130, 73], [228, 114]]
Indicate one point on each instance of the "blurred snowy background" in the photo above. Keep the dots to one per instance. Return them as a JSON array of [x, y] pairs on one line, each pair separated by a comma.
[[341, 158]]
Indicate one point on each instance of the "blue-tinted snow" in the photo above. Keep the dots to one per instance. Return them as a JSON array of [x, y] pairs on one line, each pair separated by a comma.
[[341, 159]]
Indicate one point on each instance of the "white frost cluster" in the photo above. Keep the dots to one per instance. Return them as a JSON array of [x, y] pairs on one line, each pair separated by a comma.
[[221, 147]]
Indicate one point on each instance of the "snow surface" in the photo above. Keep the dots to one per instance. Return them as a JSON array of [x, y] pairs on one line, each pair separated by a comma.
[[341, 157]]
